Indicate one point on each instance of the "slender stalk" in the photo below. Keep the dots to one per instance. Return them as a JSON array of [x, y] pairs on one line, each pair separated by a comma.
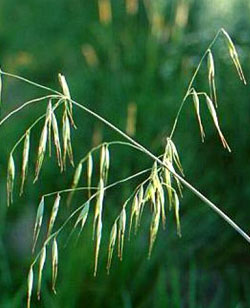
[[30, 82], [35, 100]]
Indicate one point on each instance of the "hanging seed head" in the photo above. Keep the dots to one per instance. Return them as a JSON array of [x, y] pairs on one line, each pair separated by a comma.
[[38, 223], [41, 265], [30, 286], [53, 214], [54, 264], [41, 151], [211, 76], [89, 172], [83, 215], [75, 182], [26, 149], [104, 162], [66, 93], [98, 242], [154, 228], [10, 179], [57, 141], [135, 210], [234, 55], [197, 111], [99, 205], [121, 232], [49, 123], [212, 111], [177, 217], [112, 240], [67, 148]]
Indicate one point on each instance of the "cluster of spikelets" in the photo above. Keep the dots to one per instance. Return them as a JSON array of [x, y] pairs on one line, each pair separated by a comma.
[[151, 191], [211, 99], [161, 182]]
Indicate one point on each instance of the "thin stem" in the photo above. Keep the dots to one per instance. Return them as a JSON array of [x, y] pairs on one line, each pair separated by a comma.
[[35, 100], [30, 82]]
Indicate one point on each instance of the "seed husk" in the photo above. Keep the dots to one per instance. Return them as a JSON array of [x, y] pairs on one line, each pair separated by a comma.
[[99, 205], [216, 122], [57, 141], [38, 223], [89, 172], [41, 266], [197, 110], [234, 55], [112, 240], [10, 179], [177, 217], [49, 123], [75, 182], [121, 232], [30, 286], [211, 77], [26, 149], [154, 228], [53, 214], [67, 147], [66, 92], [82, 217], [41, 151], [54, 264], [98, 242], [134, 212]]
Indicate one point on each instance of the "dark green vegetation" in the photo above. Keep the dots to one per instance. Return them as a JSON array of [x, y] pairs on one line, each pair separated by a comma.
[[150, 65]]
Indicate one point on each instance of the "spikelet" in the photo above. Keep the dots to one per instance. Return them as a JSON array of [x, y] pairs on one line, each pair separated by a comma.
[[26, 149], [154, 228], [10, 179], [234, 56], [141, 204], [211, 76], [53, 214], [216, 123], [98, 242], [67, 148], [89, 172], [174, 154], [99, 205], [57, 141], [38, 223], [54, 264], [197, 110], [177, 217], [82, 217], [168, 182], [30, 286], [161, 199], [41, 150], [75, 182], [66, 93], [135, 211], [104, 162], [121, 231], [41, 266], [112, 240], [49, 123]]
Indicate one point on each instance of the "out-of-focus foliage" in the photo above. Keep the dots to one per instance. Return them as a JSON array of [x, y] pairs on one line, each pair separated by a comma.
[[141, 53]]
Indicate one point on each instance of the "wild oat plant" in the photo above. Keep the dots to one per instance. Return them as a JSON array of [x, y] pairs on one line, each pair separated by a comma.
[[164, 180]]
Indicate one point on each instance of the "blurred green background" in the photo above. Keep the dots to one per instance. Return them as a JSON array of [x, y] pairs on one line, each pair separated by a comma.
[[120, 57]]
